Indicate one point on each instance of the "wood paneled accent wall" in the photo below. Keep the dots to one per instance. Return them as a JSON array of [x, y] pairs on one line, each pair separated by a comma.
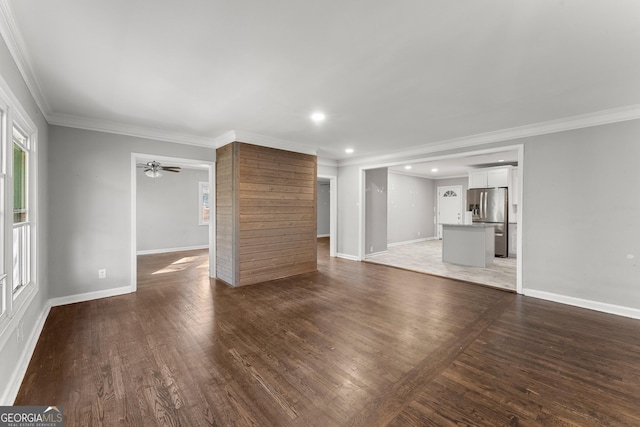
[[226, 217], [266, 220]]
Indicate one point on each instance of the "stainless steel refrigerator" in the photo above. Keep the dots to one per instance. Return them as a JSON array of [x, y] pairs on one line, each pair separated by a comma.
[[490, 205]]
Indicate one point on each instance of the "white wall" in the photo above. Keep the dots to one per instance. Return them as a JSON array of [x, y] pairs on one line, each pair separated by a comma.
[[324, 205], [581, 232], [168, 210], [410, 208], [14, 355], [581, 239], [325, 170], [90, 210], [376, 190], [349, 182]]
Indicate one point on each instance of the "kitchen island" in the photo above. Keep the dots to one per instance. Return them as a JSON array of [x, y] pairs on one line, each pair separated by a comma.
[[468, 244]]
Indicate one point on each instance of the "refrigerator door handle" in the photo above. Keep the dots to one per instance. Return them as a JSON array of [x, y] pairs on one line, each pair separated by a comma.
[[486, 197], [481, 204]]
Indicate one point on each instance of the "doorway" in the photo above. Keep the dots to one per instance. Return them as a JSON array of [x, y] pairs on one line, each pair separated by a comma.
[[328, 208], [437, 164], [198, 174], [449, 206]]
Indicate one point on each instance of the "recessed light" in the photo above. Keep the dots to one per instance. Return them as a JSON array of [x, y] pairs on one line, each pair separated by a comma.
[[500, 161], [348, 150], [407, 167], [434, 170], [318, 117]]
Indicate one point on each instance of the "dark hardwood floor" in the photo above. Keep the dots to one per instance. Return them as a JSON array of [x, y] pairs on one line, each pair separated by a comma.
[[352, 344]]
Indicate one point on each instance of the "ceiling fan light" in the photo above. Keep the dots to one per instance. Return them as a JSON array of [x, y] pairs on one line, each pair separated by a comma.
[[153, 173]]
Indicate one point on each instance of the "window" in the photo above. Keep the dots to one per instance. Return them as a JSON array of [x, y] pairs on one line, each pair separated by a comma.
[[19, 176], [21, 224], [204, 203], [4, 293], [18, 191]]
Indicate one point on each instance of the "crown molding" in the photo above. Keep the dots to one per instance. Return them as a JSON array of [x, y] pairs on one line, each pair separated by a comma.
[[17, 48], [128, 130], [267, 141], [615, 115], [16, 45], [323, 161], [406, 173], [262, 140], [224, 139], [434, 178]]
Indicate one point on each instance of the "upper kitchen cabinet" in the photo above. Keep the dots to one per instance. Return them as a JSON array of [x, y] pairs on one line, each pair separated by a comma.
[[490, 177]]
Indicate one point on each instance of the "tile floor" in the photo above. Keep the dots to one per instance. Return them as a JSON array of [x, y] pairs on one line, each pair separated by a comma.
[[426, 257]]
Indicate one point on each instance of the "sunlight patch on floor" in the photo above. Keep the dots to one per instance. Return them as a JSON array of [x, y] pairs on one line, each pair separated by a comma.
[[178, 265]]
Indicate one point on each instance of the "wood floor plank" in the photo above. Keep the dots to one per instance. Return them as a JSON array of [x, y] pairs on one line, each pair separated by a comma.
[[351, 344]]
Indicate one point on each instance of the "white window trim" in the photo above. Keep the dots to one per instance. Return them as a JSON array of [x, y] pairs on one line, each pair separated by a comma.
[[16, 305]]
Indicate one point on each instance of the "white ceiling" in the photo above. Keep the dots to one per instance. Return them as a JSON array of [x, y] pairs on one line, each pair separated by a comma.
[[457, 166], [389, 75]]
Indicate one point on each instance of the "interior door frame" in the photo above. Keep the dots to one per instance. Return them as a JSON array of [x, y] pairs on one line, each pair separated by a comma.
[[333, 212], [429, 157], [211, 167], [459, 188]]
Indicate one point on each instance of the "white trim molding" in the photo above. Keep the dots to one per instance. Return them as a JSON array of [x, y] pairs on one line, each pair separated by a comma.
[[267, 141], [118, 128], [167, 250], [409, 242], [618, 310], [196, 163], [89, 296], [630, 112], [323, 161], [333, 213], [13, 386], [16, 45], [347, 256], [263, 141], [375, 254]]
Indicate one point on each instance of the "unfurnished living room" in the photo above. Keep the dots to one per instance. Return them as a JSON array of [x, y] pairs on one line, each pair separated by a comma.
[[320, 214]]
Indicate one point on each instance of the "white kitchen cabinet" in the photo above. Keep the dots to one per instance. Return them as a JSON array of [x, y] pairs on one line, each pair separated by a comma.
[[490, 177], [498, 177], [478, 179]]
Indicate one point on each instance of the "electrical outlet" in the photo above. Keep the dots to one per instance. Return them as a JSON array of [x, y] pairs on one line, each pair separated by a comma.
[[102, 273]]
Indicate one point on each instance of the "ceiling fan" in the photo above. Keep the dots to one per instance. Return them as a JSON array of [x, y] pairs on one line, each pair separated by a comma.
[[152, 169]]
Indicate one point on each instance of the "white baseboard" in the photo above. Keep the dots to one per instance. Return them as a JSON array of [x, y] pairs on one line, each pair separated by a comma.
[[88, 296], [12, 388], [349, 257], [584, 303], [167, 250], [376, 254], [323, 235], [407, 242]]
